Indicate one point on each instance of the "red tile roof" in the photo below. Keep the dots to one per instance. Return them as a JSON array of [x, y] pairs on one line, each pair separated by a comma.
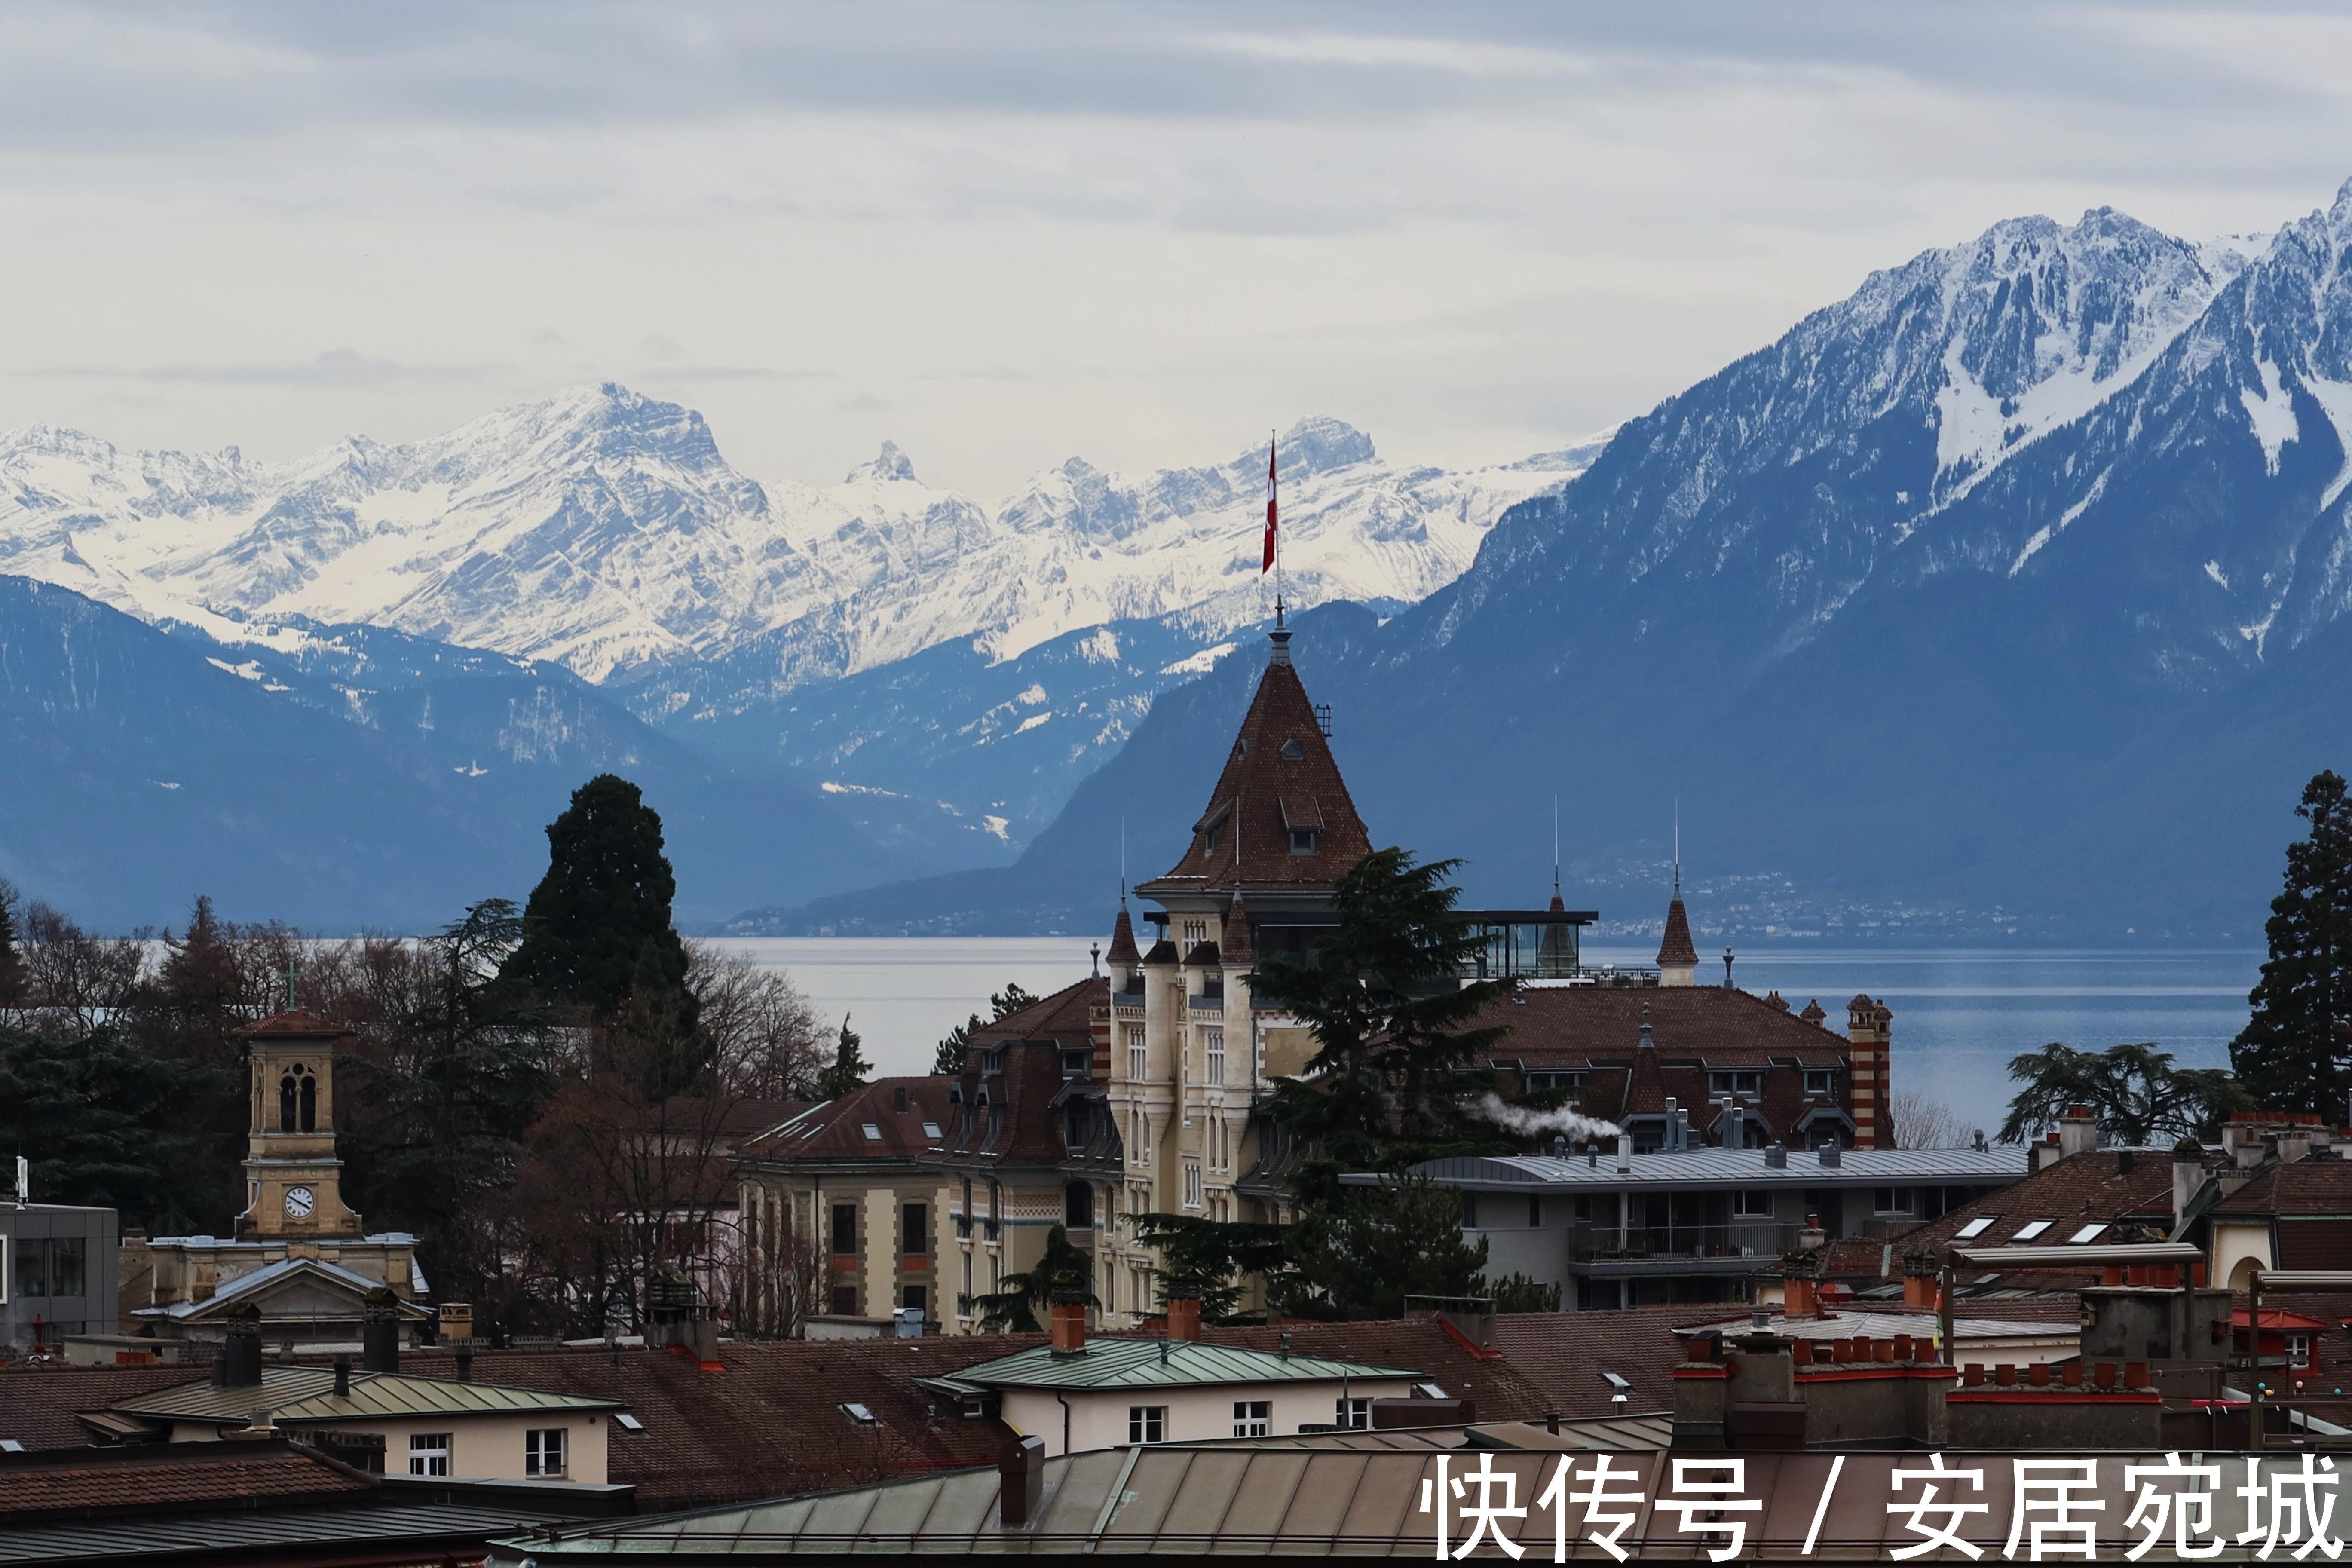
[[1279, 775], [1564, 1354], [1122, 953], [37, 1403], [2297, 1187], [175, 1477], [296, 1025], [2070, 1195], [835, 1131]]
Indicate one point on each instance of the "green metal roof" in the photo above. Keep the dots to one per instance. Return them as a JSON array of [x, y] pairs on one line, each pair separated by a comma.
[[298, 1393], [1140, 1364]]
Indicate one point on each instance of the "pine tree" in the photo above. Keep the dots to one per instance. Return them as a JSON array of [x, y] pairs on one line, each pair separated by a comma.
[[12, 963], [849, 1067], [1063, 1271], [597, 928], [2296, 1052], [948, 1059]]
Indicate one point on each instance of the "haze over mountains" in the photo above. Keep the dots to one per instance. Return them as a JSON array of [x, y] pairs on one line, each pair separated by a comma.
[[2006, 593]]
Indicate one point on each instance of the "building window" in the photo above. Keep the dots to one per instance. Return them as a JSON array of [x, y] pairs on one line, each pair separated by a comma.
[[1469, 1211], [1742, 1082], [915, 1298], [2298, 1351], [915, 1220], [845, 1229], [967, 1277], [542, 1452], [428, 1453], [1355, 1415], [1196, 934], [1535, 1212], [1550, 1078], [1820, 1083], [1751, 1206], [1890, 1199], [1078, 1206], [1252, 1417], [1302, 841], [1138, 1059], [1191, 1186], [845, 1300], [1146, 1423], [1216, 1041]]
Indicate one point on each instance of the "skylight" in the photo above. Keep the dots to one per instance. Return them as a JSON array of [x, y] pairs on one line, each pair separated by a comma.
[[931, 1129], [1615, 1381], [872, 1132], [2029, 1232], [859, 1414], [1975, 1227], [627, 1422], [2087, 1233]]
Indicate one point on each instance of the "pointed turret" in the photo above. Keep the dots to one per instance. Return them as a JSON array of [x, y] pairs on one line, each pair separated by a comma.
[[1240, 953], [1280, 816], [1123, 954], [1677, 957]]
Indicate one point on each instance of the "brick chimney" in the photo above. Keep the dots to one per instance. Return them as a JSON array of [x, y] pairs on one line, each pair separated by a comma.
[[1184, 1318], [1869, 1029], [1921, 1287], [2187, 1178], [1070, 1327]]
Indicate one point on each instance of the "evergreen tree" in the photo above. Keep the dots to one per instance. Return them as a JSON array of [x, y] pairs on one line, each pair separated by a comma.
[[849, 1067], [2135, 1093], [948, 1059], [2296, 1052], [1368, 1248], [1383, 997], [12, 963], [1062, 1271], [597, 928]]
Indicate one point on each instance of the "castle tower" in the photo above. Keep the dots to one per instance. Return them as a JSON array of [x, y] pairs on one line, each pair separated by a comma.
[[1192, 1046], [1870, 1025], [293, 1180]]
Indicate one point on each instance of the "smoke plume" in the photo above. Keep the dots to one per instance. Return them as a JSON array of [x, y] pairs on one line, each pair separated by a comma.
[[1520, 1120]]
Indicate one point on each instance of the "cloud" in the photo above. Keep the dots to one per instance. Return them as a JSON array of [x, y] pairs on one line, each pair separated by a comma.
[[336, 367], [730, 372]]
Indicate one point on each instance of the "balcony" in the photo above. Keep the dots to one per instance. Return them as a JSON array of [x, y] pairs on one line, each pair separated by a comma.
[[1665, 1247], [963, 1226], [988, 1230], [1208, 1001]]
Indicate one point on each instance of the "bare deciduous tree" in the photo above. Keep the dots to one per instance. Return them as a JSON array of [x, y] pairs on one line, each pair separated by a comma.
[[763, 1036]]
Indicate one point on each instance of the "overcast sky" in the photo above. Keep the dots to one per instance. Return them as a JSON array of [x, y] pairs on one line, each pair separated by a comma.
[[1007, 233]]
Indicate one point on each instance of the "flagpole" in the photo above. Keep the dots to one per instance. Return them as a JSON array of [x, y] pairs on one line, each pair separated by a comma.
[[1272, 496]]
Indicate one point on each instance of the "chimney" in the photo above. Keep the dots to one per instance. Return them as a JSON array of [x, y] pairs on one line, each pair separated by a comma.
[[1920, 1286], [1801, 1297], [1832, 1156], [342, 1377], [240, 1365], [1776, 1156], [1021, 1482], [2077, 1132], [1625, 1154], [2187, 1178], [2046, 1154], [1070, 1324], [1184, 1318], [379, 1333], [1869, 1031]]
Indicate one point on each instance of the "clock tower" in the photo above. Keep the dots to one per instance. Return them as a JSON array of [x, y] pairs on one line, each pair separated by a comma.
[[293, 1182]]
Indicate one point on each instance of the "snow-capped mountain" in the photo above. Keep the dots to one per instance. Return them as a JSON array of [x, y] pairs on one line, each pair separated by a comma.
[[602, 530], [2016, 582]]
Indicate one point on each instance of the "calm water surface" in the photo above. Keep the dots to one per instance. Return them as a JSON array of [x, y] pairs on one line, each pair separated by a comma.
[[1959, 1014]]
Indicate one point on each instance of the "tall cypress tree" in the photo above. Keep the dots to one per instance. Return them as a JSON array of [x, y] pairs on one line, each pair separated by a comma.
[[12, 963], [849, 1065], [597, 928], [2296, 1053]]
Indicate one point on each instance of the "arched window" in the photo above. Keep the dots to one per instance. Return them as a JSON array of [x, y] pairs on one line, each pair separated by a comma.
[[310, 1103], [286, 1103]]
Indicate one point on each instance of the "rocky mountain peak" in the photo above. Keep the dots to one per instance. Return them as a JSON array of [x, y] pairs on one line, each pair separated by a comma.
[[889, 463]]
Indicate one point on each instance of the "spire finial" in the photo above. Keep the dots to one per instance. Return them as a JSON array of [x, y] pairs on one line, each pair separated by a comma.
[[1555, 846], [1678, 847]]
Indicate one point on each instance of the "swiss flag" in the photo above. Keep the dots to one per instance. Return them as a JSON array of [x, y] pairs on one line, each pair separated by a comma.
[[1267, 564]]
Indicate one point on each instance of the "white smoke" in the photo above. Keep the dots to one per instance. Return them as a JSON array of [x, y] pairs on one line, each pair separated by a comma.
[[1520, 1120]]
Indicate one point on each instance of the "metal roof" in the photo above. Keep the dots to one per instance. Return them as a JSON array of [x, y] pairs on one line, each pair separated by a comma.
[[211, 1536], [268, 1274], [1884, 1326], [1724, 1168], [1139, 1363], [294, 1394], [1333, 1501]]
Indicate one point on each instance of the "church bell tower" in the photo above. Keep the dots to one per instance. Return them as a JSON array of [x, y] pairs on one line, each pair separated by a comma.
[[293, 1189]]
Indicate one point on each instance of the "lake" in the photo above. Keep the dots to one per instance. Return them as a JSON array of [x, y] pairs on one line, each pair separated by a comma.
[[1959, 1014]]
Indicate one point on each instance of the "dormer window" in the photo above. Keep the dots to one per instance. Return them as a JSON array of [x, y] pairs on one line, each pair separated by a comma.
[[1292, 751], [1302, 841], [1077, 1064]]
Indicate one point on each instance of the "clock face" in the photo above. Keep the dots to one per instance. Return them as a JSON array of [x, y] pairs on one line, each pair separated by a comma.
[[298, 1201]]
